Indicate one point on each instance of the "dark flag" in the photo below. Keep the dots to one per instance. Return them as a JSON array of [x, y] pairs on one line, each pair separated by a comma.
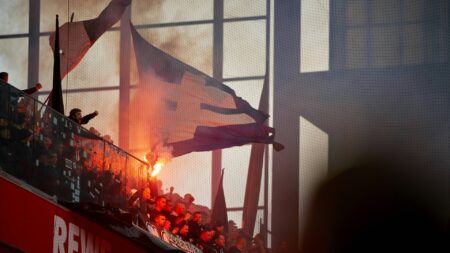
[[255, 169], [189, 111], [219, 210], [56, 99], [78, 37]]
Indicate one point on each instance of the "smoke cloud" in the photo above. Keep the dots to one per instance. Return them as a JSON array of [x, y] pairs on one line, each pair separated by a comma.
[[190, 44]]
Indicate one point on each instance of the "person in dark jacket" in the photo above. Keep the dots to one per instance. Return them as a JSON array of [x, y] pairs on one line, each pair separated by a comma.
[[76, 115], [4, 77]]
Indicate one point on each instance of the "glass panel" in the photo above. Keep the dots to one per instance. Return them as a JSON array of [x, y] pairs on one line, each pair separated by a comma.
[[114, 175], [51, 151], [5, 135], [14, 60], [151, 12], [136, 174], [259, 222], [438, 34], [58, 151], [62, 158], [413, 37], [189, 174], [131, 175], [20, 136], [107, 105], [439, 53], [244, 8], [15, 15], [386, 46], [73, 136], [314, 36], [139, 137], [92, 159], [49, 10], [4, 105], [249, 90], [385, 11], [235, 161], [357, 12], [46, 64], [244, 48], [413, 10], [236, 217], [42, 97], [313, 153], [356, 49], [261, 190]]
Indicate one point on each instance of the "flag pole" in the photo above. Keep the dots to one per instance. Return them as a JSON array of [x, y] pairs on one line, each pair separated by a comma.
[[55, 99], [45, 102]]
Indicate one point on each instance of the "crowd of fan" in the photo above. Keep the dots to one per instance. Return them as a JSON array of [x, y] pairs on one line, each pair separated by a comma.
[[56, 155], [169, 213]]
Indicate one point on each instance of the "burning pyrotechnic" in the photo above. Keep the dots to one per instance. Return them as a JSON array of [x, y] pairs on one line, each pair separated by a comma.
[[156, 169]]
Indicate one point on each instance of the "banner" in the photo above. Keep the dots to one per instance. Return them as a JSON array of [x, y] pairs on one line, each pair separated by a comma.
[[31, 223]]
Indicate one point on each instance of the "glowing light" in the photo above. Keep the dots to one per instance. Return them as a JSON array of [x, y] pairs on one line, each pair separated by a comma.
[[156, 169]]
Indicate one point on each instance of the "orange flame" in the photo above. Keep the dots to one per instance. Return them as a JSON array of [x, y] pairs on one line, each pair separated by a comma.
[[156, 169]]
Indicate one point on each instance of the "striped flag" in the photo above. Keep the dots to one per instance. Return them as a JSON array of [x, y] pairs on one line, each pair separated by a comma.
[[76, 38]]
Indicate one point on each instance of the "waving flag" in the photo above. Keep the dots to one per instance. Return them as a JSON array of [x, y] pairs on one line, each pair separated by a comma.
[[219, 210], [76, 38], [56, 97], [189, 111]]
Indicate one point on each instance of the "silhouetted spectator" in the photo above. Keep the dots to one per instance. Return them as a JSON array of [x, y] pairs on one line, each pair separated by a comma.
[[167, 210], [167, 226], [188, 200], [219, 227], [49, 173], [157, 225], [195, 225], [20, 149], [5, 139], [4, 77], [178, 216], [204, 242], [137, 205], [160, 204], [76, 115], [184, 233]]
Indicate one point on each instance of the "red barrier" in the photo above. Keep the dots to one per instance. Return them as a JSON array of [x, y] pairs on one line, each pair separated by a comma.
[[34, 224]]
